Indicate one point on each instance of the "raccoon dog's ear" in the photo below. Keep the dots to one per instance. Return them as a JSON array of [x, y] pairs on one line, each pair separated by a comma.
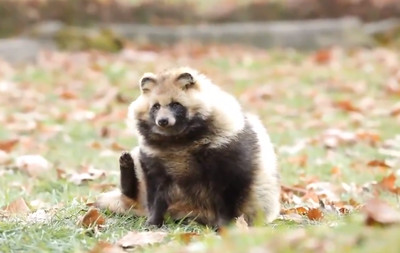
[[147, 82], [186, 80]]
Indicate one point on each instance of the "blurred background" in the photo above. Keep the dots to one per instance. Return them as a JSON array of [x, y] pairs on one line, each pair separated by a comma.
[[111, 25], [323, 75]]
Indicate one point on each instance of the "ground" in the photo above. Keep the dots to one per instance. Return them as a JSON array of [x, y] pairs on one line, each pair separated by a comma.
[[333, 115]]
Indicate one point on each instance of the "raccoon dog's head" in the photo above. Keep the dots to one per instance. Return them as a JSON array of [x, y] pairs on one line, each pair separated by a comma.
[[181, 106], [171, 106]]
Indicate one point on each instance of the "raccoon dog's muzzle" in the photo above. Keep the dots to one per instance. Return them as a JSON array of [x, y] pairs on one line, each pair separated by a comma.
[[165, 118]]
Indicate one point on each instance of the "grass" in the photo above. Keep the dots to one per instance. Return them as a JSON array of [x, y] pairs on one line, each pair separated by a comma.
[[82, 129]]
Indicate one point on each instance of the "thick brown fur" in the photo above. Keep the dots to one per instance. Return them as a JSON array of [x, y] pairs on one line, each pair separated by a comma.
[[199, 155]]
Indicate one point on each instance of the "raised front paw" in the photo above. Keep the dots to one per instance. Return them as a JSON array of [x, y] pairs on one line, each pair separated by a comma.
[[126, 160]]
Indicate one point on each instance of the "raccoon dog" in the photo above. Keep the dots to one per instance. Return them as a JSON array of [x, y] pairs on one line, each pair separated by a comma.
[[199, 155]]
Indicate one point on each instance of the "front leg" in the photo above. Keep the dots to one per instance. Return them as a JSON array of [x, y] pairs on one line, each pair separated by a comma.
[[129, 181], [157, 186], [157, 210], [227, 207], [225, 215]]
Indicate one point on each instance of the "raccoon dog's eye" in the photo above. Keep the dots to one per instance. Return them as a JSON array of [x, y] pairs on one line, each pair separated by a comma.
[[175, 104], [156, 106]]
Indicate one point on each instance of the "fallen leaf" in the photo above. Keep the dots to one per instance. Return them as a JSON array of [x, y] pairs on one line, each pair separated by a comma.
[[95, 145], [336, 171], [106, 247], [187, 237], [315, 214], [117, 147], [93, 217], [241, 224], [344, 210], [354, 203], [311, 195], [7, 146], [323, 56], [88, 174], [379, 212], [34, 165], [105, 132], [331, 142], [333, 137], [369, 136], [295, 217], [68, 94], [61, 174], [18, 206], [395, 111], [346, 105], [388, 183], [301, 210], [300, 160], [5, 158], [378, 163], [393, 87], [294, 189], [136, 238], [297, 210]]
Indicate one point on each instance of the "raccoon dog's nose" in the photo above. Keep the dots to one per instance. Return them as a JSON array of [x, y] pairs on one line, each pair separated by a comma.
[[162, 122]]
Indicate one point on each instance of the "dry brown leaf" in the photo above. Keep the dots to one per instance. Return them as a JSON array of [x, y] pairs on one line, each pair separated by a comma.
[[93, 217], [68, 94], [395, 111], [315, 214], [336, 171], [347, 105], [8, 145], [388, 183], [378, 163], [135, 238], [354, 203], [34, 165], [323, 56], [295, 217], [105, 247], [369, 136], [61, 174], [296, 210], [117, 147], [301, 210], [333, 137], [5, 158], [344, 210], [187, 237], [393, 88], [88, 174], [311, 195], [294, 189], [105, 132], [300, 160], [95, 145], [18, 206], [379, 212]]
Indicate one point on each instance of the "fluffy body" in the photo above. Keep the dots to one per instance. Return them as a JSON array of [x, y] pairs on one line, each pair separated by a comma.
[[199, 155]]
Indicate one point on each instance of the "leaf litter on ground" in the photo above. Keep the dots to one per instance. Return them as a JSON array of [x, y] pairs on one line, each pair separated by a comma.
[[332, 115]]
